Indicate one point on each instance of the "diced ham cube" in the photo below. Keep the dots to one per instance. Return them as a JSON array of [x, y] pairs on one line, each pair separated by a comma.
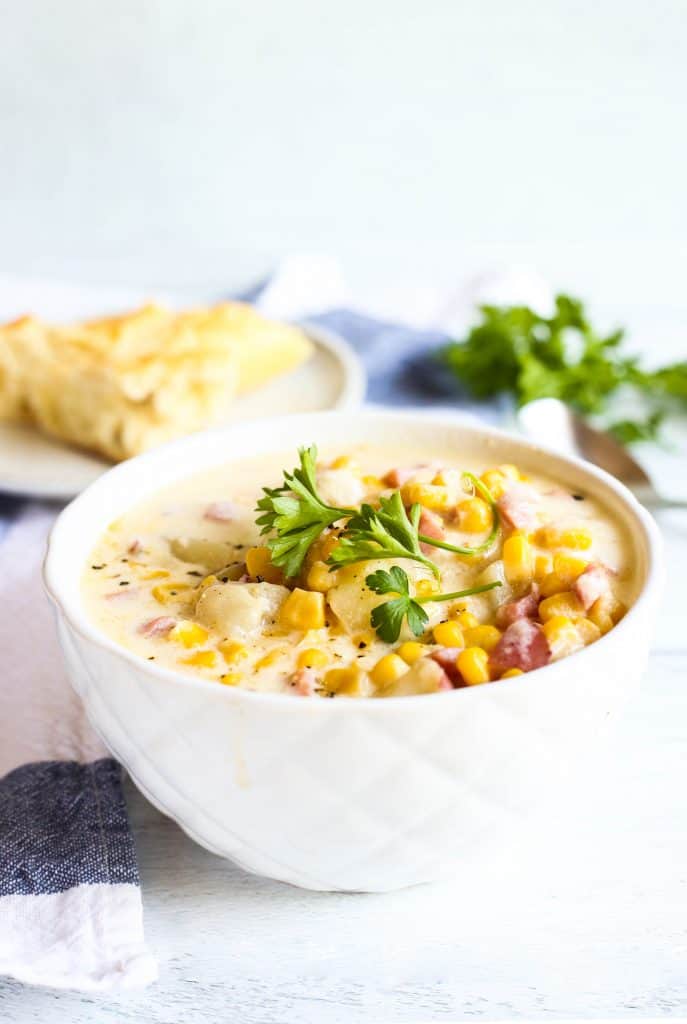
[[519, 505], [432, 525], [158, 627], [221, 511], [445, 683], [445, 657], [522, 646], [524, 608], [116, 595], [399, 476], [304, 681], [592, 584]]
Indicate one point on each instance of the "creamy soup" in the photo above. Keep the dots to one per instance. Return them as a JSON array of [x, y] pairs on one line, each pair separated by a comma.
[[354, 588]]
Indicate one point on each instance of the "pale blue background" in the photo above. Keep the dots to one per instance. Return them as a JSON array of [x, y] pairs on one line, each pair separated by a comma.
[[177, 142]]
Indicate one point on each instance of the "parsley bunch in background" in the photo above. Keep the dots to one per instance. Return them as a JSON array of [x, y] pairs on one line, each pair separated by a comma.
[[517, 351]]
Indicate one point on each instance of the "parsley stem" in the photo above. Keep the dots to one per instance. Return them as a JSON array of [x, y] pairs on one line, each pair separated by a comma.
[[459, 593], [456, 548], [486, 495]]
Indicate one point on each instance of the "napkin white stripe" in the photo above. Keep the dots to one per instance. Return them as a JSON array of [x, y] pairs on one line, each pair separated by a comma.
[[89, 937]]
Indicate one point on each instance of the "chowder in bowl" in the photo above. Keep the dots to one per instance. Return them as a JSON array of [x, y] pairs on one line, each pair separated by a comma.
[[471, 606]]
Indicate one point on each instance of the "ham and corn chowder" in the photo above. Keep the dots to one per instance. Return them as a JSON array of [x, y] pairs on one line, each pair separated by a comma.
[[360, 574]]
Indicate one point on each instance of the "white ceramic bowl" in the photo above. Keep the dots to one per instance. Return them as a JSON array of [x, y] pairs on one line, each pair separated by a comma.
[[365, 795]]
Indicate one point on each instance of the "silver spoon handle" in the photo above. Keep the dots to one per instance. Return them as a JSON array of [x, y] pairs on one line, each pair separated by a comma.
[[656, 503]]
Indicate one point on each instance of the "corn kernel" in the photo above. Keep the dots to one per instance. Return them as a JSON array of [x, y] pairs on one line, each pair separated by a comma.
[[562, 637], [568, 567], [344, 462], [511, 673], [474, 515], [518, 559], [431, 496], [322, 548], [259, 565], [206, 582], [346, 681], [424, 588], [579, 539], [320, 578], [312, 657], [201, 659], [543, 565], [388, 669], [373, 483], [494, 481], [566, 604], [473, 665], [270, 658], [611, 606], [449, 634], [155, 574], [232, 651], [411, 651], [190, 634], [551, 537], [486, 637], [588, 630], [510, 471], [552, 584], [467, 620], [600, 616], [302, 609], [166, 592], [231, 678]]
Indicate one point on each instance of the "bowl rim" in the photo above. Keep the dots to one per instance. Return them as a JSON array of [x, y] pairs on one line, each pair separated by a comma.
[[76, 615]]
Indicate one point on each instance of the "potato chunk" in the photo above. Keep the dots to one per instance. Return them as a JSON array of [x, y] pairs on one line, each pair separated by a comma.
[[340, 487], [211, 554], [239, 609]]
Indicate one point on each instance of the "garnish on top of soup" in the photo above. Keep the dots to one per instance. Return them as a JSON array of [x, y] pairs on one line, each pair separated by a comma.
[[357, 578]]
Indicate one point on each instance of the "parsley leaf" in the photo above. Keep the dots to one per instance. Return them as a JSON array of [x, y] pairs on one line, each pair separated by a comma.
[[296, 513], [531, 356], [517, 351], [387, 618], [631, 431], [386, 532]]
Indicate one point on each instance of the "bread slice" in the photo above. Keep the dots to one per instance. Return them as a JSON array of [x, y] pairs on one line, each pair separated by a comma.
[[120, 385]]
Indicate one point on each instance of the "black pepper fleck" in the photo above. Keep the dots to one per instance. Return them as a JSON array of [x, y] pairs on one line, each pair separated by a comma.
[[99, 566], [578, 497], [123, 583]]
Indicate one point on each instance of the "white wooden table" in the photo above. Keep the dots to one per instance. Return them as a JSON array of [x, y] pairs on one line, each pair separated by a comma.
[[585, 916]]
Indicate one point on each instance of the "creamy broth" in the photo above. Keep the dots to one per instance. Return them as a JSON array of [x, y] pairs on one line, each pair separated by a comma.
[[184, 579]]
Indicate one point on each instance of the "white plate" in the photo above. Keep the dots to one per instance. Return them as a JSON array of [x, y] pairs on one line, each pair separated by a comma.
[[333, 378]]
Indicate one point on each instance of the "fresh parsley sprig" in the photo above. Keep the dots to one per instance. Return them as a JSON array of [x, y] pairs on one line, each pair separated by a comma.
[[515, 350], [296, 514], [387, 618], [386, 532], [477, 486]]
